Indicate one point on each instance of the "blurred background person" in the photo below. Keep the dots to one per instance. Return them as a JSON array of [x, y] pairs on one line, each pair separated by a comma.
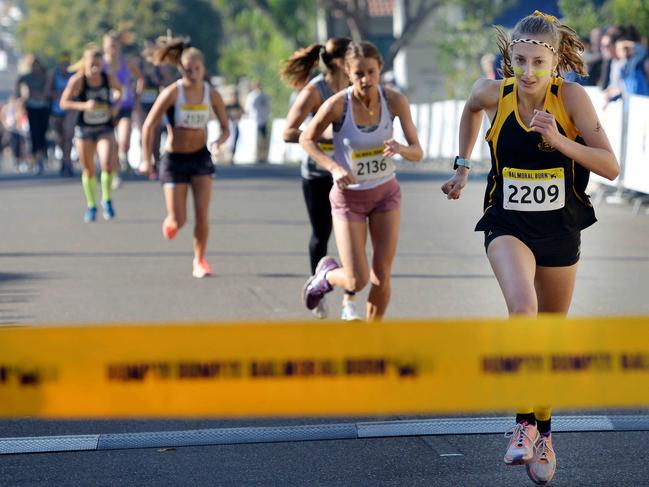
[[257, 108], [147, 90], [16, 128], [62, 121], [128, 74], [31, 87]]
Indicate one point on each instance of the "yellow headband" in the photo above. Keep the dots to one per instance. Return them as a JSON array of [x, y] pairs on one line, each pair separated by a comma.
[[549, 18]]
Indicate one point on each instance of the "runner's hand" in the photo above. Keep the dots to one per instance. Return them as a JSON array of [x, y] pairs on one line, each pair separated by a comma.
[[545, 124], [342, 177], [90, 105], [392, 148], [453, 187]]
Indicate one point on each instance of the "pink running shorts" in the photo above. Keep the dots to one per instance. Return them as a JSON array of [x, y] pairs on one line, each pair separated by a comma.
[[357, 205]]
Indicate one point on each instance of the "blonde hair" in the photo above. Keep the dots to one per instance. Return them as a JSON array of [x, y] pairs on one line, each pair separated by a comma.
[[90, 51], [563, 40]]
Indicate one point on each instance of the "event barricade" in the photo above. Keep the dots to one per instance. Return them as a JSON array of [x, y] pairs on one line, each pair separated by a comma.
[[625, 122]]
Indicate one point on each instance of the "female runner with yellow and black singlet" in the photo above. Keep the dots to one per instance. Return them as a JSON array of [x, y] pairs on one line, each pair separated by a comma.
[[96, 96], [365, 197], [545, 140], [316, 181], [187, 161]]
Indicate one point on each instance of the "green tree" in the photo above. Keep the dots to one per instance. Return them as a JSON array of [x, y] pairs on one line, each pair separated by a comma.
[[634, 12], [258, 35], [53, 26], [583, 15], [459, 46]]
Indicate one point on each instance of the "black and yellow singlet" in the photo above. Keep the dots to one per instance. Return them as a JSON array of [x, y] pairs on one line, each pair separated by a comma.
[[533, 188]]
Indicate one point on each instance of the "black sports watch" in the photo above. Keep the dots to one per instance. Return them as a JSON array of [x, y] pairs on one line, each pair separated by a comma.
[[459, 161]]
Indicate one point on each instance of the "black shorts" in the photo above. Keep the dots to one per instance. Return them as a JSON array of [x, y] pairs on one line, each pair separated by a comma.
[[180, 168], [90, 132], [555, 251], [124, 113]]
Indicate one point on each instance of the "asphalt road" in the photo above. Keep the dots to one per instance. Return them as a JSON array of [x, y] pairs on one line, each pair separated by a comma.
[[54, 269]]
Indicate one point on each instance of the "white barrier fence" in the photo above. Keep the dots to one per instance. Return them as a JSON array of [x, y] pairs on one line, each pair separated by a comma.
[[626, 124]]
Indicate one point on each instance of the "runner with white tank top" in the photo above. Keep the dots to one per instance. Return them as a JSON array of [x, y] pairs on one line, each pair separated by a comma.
[[187, 161], [366, 195]]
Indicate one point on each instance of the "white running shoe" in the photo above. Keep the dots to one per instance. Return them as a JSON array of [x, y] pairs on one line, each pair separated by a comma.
[[321, 311], [521, 445], [349, 313], [542, 468]]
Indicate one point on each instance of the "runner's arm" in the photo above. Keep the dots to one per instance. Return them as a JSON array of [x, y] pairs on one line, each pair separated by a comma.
[[307, 102], [219, 110], [400, 107], [597, 155]]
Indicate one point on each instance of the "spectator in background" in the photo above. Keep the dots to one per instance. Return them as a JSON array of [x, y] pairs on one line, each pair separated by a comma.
[[257, 108], [62, 121], [634, 73], [32, 89], [15, 125], [593, 57], [487, 65], [235, 111]]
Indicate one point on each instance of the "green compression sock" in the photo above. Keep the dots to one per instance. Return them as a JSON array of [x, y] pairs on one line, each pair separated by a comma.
[[90, 189], [106, 185]]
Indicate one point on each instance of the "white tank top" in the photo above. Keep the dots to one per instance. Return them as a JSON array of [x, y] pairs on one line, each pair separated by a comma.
[[190, 116], [361, 153]]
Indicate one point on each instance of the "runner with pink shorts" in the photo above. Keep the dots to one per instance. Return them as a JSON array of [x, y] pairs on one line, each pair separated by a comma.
[[365, 195]]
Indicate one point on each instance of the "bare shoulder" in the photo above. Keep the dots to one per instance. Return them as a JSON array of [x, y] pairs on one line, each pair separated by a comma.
[[335, 103], [485, 93], [574, 96]]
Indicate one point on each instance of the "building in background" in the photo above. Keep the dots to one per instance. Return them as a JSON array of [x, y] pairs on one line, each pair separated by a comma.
[[415, 68]]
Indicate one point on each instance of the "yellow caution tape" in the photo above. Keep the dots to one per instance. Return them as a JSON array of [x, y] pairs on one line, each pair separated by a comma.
[[324, 368]]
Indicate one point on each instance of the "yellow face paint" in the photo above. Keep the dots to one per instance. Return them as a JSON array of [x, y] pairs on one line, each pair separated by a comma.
[[518, 71], [540, 73]]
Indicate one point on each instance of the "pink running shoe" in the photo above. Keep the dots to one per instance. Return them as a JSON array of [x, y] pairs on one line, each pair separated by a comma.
[[201, 268], [169, 230], [521, 446], [317, 286], [542, 468]]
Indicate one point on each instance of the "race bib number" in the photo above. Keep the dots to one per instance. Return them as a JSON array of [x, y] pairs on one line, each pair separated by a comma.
[[370, 164], [194, 116], [533, 190], [99, 116]]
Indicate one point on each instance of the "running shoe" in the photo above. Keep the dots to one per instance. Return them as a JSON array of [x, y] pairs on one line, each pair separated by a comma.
[[317, 286], [521, 446], [349, 312], [169, 230], [321, 311], [109, 212], [542, 468], [201, 268], [91, 215]]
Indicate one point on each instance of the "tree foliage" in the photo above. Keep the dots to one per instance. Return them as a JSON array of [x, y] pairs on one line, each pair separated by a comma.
[[584, 15], [460, 45], [53, 26], [260, 33]]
